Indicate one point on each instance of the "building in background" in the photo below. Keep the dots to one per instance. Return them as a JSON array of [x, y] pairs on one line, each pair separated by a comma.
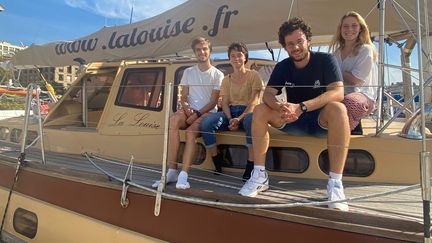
[[7, 50], [60, 75]]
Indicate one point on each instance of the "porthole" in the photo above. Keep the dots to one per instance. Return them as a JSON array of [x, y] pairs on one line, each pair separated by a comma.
[[15, 135], [287, 159], [359, 163], [25, 222], [283, 159], [4, 133], [200, 154]]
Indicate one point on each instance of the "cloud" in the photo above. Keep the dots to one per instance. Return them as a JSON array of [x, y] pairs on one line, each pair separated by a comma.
[[121, 9]]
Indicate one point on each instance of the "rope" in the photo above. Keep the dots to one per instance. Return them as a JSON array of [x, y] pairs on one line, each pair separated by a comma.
[[221, 183], [196, 178], [20, 161]]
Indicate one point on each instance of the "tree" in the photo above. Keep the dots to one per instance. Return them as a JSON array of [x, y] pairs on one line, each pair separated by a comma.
[[5, 75]]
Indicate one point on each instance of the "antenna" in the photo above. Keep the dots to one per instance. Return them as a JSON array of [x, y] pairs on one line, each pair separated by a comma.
[[130, 20]]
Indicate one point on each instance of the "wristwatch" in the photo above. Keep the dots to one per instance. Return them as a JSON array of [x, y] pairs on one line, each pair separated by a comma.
[[197, 112], [303, 107]]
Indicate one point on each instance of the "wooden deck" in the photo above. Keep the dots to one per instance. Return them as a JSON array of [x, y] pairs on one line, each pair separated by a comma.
[[396, 215]]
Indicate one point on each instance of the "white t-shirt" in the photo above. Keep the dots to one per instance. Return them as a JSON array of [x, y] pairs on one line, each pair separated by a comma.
[[201, 85], [362, 67]]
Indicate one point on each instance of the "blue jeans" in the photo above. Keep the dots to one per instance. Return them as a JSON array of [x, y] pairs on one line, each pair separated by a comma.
[[219, 122], [307, 124]]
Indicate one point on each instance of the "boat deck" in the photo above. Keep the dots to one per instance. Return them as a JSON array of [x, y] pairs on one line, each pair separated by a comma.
[[397, 215]]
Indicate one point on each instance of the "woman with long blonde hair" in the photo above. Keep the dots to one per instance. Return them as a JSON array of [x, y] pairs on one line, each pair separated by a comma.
[[357, 57]]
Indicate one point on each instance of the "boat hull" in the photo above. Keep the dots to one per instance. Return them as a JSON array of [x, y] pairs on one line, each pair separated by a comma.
[[94, 214]]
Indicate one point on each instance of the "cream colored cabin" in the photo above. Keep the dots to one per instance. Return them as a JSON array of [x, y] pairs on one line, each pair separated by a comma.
[[122, 114]]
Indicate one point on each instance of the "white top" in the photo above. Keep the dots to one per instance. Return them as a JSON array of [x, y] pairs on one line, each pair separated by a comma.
[[362, 67], [201, 85]]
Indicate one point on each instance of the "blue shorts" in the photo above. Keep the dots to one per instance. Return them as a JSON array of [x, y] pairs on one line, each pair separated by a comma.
[[307, 124]]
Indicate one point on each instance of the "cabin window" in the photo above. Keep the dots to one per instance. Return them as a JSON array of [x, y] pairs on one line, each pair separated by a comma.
[[98, 89], [359, 163], [234, 156], [263, 70], [142, 88], [199, 157], [177, 90], [31, 137], [15, 135], [4, 133], [293, 160], [225, 68], [25, 222]]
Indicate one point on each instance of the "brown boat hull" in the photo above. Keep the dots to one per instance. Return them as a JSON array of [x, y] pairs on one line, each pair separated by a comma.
[[178, 221]]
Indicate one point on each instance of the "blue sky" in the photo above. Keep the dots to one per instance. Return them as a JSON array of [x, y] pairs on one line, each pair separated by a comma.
[[43, 21]]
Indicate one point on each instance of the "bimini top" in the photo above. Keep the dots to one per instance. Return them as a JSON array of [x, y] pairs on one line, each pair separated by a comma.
[[222, 21]]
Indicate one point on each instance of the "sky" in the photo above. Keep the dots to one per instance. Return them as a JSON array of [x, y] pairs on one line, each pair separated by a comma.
[[42, 21], [24, 22]]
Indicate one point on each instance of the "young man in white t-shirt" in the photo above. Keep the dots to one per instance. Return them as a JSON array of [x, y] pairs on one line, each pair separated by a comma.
[[200, 87]]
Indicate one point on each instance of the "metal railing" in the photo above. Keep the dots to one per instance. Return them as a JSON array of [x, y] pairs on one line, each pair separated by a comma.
[[30, 89]]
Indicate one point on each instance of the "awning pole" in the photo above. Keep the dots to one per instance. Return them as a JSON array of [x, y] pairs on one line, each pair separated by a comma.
[[424, 155], [380, 119], [165, 150]]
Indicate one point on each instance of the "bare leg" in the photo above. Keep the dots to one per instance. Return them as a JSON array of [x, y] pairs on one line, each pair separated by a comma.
[[177, 122], [192, 133], [212, 151], [334, 117], [262, 116], [250, 153]]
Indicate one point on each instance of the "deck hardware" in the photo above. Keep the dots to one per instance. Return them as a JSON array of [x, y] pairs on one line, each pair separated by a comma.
[[124, 201], [165, 151]]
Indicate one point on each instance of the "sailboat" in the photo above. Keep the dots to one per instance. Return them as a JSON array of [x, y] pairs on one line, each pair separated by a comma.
[[84, 174]]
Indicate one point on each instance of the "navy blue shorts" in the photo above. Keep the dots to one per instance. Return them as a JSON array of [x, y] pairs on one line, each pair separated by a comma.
[[307, 124]]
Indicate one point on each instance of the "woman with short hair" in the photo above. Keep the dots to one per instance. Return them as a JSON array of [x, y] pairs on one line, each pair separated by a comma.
[[240, 92]]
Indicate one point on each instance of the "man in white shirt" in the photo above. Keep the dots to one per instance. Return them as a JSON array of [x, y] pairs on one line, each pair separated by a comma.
[[200, 87]]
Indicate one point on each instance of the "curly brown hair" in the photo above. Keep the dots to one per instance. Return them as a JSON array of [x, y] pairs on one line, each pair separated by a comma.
[[292, 25]]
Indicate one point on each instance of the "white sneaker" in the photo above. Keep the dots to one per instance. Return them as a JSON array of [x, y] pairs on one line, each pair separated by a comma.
[[257, 183], [182, 182], [335, 192], [171, 176]]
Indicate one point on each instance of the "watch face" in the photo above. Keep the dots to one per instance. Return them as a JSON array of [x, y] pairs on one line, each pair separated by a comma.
[[303, 107]]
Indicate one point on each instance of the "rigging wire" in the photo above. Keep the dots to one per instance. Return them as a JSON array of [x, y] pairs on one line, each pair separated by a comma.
[[248, 205]]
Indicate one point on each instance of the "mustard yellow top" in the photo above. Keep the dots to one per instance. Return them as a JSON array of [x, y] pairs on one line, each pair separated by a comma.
[[240, 95]]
